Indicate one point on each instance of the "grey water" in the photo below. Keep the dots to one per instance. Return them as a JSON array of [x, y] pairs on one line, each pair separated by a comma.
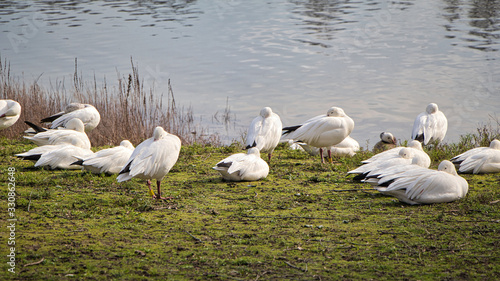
[[381, 61]]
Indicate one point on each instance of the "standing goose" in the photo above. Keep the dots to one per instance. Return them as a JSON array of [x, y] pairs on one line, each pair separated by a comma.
[[109, 161], [73, 134], [479, 160], [265, 132], [243, 166], [420, 185], [152, 159], [323, 130], [430, 126], [387, 141], [9, 113], [85, 112]]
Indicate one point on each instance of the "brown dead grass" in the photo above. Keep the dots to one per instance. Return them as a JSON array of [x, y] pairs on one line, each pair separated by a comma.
[[127, 112]]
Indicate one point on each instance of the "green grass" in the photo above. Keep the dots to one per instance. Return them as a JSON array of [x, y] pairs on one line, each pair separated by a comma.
[[306, 221]]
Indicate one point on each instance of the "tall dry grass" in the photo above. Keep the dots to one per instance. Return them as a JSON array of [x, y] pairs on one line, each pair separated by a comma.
[[128, 111]]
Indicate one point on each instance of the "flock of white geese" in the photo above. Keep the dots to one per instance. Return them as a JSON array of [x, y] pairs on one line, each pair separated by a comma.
[[402, 172]]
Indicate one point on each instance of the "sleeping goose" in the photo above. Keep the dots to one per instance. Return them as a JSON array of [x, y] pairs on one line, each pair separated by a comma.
[[243, 166], [9, 113], [420, 185], [479, 160], [152, 159], [85, 112], [430, 126], [265, 132]]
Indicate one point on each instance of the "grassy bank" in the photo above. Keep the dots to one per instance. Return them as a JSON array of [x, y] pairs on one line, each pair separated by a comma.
[[306, 221]]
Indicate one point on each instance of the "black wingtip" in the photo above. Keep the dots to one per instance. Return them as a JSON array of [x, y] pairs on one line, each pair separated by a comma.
[[35, 127], [290, 129], [51, 118], [79, 162], [387, 183], [33, 157]]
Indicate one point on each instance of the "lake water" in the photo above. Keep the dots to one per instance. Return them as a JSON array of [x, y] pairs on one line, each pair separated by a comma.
[[382, 62]]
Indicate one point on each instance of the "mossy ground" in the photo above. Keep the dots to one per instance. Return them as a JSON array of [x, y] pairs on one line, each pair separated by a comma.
[[306, 221]]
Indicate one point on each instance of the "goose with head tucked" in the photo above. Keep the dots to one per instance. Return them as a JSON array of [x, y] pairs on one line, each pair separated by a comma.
[[73, 133], [108, 161], [430, 126], [152, 159], [59, 156], [480, 160], [85, 112], [322, 131], [243, 166], [415, 148], [264, 132], [9, 113], [420, 185]]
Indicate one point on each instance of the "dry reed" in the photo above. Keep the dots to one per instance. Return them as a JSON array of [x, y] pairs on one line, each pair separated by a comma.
[[128, 111]]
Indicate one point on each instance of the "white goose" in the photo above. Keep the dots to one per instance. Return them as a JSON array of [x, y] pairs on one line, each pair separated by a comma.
[[420, 185], [9, 113], [404, 157], [85, 112], [265, 132], [243, 166], [479, 160], [73, 134], [347, 147], [56, 156], [416, 150], [387, 141], [109, 161], [323, 130], [430, 126], [152, 159]]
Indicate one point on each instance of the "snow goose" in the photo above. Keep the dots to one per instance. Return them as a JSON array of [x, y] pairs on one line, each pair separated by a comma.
[[479, 160], [152, 159], [265, 132], [347, 147], [109, 161], [85, 112], [73, 134], [323, 130], [243, 166], [430, 126], [9, 113], [404, 157], [387, 141], [56, 156], [416, 150], [425, 186]]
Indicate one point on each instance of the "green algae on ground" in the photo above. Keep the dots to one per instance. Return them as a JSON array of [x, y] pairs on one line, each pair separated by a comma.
[[305, 221]]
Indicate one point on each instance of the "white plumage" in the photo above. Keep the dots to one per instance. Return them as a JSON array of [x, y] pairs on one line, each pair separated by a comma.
[[56, 156], [243, 166], [265, 132], [9, 113], [85, 112], [415, 148], [109, 161], [152, 159], [405, 156], [479, 160], [430, 126], [347, 147], [73, 134], [420, 185], [323, 130]]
